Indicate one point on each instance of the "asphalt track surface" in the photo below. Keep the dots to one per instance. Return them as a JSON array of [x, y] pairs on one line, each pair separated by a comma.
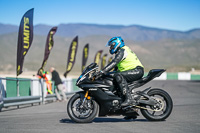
[[52, 117]]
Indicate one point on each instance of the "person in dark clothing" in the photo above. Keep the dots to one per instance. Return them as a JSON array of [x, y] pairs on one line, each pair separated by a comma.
[[58, 84], [129, 67]]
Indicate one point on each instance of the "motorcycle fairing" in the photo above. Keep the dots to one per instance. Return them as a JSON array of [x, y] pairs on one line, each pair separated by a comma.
[[105, 100]]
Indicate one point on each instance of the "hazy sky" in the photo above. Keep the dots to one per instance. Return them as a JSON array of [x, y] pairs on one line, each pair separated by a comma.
[[180, 15]]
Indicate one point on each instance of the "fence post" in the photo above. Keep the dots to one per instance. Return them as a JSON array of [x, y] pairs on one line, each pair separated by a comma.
[[18, 91], [18, 88], [1, 98], [42, 88]]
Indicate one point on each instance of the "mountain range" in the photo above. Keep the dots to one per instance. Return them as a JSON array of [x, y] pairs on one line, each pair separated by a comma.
[[156, 48], [132, 32]]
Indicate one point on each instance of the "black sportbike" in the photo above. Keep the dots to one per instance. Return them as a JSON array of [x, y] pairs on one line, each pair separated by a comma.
[[102, 97]]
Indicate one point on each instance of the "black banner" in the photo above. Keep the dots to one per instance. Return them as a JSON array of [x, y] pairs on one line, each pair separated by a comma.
[[48, 48], [103, 61], [72, 55], [85, 56], [49, 45], [110, 59], [25, 38], [98, 56]]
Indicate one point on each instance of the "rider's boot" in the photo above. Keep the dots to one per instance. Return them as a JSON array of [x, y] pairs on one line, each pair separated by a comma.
[[128, 99], [123, 86]]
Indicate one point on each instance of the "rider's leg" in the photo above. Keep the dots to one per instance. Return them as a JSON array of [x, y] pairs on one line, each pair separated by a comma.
[[128, 76], [123, 86], [133, 75]]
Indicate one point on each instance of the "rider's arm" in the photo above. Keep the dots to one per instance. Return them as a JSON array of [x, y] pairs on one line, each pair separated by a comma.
[[120, 55]]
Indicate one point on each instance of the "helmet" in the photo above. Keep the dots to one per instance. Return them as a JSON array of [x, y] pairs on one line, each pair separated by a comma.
[[115, 44]]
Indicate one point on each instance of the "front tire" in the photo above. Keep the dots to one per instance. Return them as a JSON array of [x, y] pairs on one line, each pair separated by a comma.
[[80, 114], [163, 108]]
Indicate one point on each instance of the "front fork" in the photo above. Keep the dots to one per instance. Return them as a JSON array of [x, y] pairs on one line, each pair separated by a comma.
[[86, 97]]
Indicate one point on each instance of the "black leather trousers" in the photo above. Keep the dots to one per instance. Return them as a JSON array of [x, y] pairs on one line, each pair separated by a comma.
[[122, 78]]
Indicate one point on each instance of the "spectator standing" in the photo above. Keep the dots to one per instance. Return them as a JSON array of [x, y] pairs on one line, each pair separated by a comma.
[[58, 84]]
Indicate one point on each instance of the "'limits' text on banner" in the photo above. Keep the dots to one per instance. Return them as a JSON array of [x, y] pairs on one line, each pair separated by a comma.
[[25, 38], [72, 55], [98, 57], [85, 56], [103, 61]]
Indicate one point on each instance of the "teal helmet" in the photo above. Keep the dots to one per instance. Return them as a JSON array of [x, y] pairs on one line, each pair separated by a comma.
[[115, 43]]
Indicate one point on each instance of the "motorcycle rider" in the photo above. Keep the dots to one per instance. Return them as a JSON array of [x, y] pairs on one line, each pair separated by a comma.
[[129, 67]]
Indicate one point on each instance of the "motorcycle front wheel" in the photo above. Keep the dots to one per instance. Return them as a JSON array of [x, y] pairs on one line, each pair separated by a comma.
[[163, 107], [82, 113]]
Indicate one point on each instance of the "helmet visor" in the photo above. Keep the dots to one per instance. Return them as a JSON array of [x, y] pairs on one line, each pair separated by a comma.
[[111, 42]]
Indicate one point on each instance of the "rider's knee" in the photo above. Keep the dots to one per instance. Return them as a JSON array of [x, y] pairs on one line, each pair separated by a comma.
[[118, 77]]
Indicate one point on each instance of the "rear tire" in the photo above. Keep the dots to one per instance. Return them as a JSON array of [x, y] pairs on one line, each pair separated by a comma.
[[81, 115], [165, 102]]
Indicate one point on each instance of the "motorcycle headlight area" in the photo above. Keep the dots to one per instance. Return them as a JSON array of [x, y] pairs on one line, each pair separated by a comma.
[[88, 74]]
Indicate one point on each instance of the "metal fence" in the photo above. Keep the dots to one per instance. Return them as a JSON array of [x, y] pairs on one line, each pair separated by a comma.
[[20, 91]]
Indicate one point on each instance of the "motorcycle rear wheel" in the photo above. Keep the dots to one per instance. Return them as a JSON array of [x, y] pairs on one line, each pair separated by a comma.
[[162, 110], [81, 114]]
